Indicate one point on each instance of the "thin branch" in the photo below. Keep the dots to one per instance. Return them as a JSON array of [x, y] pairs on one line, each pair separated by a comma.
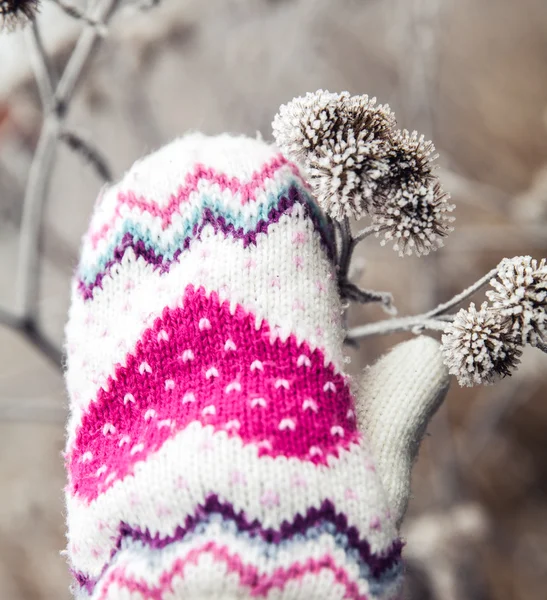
[[434, 319], [76, 13], [42, 72], [88, 152], [346, 249], [82, 54], [442, 308], [29, 330], [33, 208], [355, 294], [415, 324], [364, 233], [42, 165]]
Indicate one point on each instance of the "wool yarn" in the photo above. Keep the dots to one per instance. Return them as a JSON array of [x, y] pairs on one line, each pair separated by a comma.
[[215, 449]]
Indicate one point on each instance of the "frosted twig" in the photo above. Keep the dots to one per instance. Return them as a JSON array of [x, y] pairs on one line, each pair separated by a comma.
[[76, 13], [32, 334], [82, 53], [40, 66], [355, 294], [364, 233], [414, 323], [55, 105], [442, 308], [33, 207], [346, 248], [90, 153], [434, 319], [43, 162]]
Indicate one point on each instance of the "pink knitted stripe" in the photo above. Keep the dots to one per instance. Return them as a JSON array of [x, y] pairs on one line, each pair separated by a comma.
[[200, 362], [247, 191], [260, 584]]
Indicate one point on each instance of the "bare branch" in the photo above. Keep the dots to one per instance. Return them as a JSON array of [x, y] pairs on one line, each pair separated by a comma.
[[82, 53], [366, 232], [76, 13], [346, 249], [33, 207], [355, 294], [34, 336], [434, 319], [32, 333], [91, 154], [42, 72], [43, 162], [415, 324], [442, 308]]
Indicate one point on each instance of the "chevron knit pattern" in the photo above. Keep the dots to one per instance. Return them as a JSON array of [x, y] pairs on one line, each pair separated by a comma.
[[212, 447]]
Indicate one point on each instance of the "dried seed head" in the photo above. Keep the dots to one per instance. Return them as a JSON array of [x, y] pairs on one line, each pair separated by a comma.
[[410, 159], [342, 142], [15, 13], [415, 218], [478, 347], [343, 173], [520, 294]]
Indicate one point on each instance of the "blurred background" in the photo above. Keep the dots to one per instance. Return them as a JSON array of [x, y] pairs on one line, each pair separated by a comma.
[[470, 74]]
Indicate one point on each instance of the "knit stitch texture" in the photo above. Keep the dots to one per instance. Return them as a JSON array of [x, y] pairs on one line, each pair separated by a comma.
[[213, 447]]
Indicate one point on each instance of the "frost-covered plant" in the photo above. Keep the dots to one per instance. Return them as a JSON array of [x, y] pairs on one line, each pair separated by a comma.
[[520, 294], [415, 217], [15, 13], [359, 165], [341, 141], [478, 346]]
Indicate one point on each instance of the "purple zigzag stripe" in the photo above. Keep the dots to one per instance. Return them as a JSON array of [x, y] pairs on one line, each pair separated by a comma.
[[377, 563], [219, 224]]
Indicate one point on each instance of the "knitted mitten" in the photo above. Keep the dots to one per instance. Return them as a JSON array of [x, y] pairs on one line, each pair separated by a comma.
[[215, 449]]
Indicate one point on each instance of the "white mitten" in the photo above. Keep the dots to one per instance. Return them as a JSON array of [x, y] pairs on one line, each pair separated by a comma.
[[215, 447]]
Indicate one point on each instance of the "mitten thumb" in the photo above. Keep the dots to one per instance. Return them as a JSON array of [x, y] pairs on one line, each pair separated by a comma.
[[398, 396]]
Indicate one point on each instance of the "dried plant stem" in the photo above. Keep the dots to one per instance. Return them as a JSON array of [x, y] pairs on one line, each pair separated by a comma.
[[348, 290], [434, 319], [413, 323], [33, 207], [82, 53], [442, 308], [364, 233], [55, 106], [88, 152], [42, 71], [32, 334], [76, 13], [346, 248]]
